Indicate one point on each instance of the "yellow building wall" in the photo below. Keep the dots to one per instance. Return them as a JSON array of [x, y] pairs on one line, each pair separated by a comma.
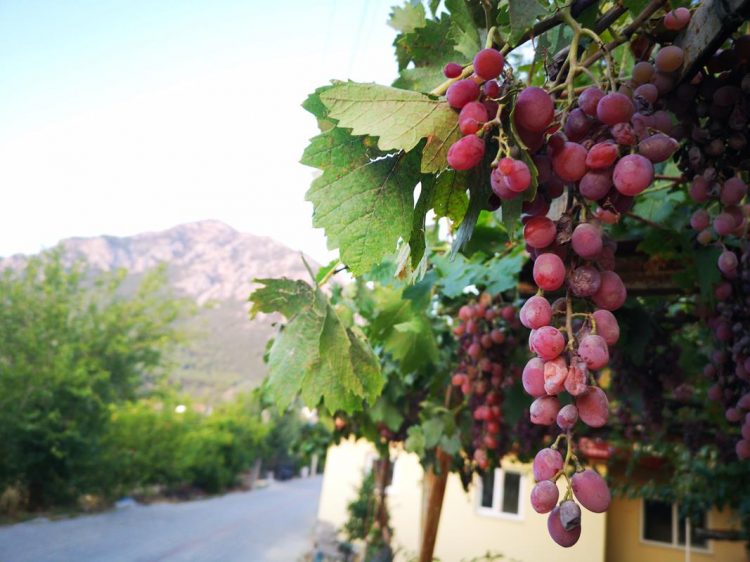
[[463, 533], [624, 542]]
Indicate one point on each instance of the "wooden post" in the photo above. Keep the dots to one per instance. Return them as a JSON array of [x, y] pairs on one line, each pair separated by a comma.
[[435, 490]]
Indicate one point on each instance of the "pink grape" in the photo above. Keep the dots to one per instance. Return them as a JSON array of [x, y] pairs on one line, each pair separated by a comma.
[[544, 496], [539, 232], [591, 490], [658, 147], [733, 191], [532, 377], [577, 125], [555, 372], [499, 183], [669, 58], [593, 350], [699, 189], [593, 407], [549, 272], [567, 417], [624, 134], [472, 117], [548, 342], [586, 240], [727, 262], [466, 153], [543, 410], [547, 463], [488, 64], [452, 70], [492, 89], [724, 224], [557, 531], [612, 293], [595, 184], [642, 72], [677, 19], [700, 220], [742, 448], [648, 92], [534, 109], [584, 281], [602, 155], [536, 312], [633, 174], [577, 378], [607, 326], [570, 162], [588, 100], [462, 92], [518, 176], [614, 108]]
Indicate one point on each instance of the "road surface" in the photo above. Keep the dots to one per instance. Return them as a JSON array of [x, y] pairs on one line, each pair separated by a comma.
[[273, 524]]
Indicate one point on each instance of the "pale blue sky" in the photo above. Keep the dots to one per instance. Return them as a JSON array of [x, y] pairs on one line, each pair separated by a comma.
[[121, 116]]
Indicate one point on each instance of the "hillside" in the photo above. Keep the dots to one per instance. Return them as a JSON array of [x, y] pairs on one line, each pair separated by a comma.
[[212, 264]]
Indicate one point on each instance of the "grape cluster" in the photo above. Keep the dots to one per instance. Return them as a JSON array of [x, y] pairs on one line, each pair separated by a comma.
[[487, 335]]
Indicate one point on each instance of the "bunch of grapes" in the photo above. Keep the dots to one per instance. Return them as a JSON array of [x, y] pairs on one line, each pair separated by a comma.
[[487, 335]]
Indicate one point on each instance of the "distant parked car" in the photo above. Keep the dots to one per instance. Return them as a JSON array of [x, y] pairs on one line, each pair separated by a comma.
[[284, 472]]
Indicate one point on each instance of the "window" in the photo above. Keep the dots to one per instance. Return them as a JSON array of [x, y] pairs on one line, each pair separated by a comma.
[[500, 494], [662, 523]]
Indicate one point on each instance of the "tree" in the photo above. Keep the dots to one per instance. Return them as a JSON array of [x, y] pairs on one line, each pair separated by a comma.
[[72, 343]]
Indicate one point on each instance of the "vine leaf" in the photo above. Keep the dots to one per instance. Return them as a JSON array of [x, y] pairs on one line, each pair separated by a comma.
[[399, 118], [463, 31], [314, 355], [450, 199], [523, 16], [407, 18]]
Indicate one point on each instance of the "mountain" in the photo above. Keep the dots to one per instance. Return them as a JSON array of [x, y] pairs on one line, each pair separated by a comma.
[[212, 264]]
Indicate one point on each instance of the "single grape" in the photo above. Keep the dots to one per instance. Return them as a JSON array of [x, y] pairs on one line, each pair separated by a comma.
[[555, 372], [549, 272], [733, 191], [664, 83], [544, 496], [577, 125], [658, 147], [488, 63], [584, 281], [557, 531], [570, 161], [594, 351], [547, 463], [452, 70], [499, 183], [462, 92], [612, 293], [669, 58], [534, 110], [602, 155], [577, 380], [589, 99], [595, 184], [533, 140], [624, 134], [700, 220], [532, 377], [699, 189], [742, 448], [591, 490], [567, 417], [642, 72], [539, 232], [677, 19], [593, 407], [536, 313], [648, 92], [492, 89], [633, 174], [724, 224], [607, 326], [543, 410], [614, 108], [466, 153], [586, 240], [518, 176], [548, 342], [472, 117], [727, 262]]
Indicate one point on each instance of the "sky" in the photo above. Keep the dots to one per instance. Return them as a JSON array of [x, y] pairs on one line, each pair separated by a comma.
[[124, 116]]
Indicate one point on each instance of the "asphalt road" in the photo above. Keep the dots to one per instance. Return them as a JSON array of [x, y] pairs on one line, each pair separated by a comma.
[[273, 524]]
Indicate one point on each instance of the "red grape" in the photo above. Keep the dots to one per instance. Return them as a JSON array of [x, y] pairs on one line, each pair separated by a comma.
[[533, 377], [658, 147], [586, 240], [543, 410], [452, 70], [466, 153], [517, 174], [612, 293], [602, 155], [733, 191], [544, 496], [488, 64], [595, 184], [547, 463], [669, 58], [570, 162], [577, 379], [567, 417], [700, 220], [591, 490], [633, 174], [539, 232], [642, 72], [677, 19], [593, 407], [557, 531], [549, 272], [607, 326], [536, 312], [472, 117], [555, 372], [614, 108], [548, 342], [462, 92], [534, 109], [589, 99], [593, 350], [584, 281]]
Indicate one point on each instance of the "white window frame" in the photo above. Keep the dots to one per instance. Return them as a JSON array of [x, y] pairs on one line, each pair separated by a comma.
[[675, 532], [497, 496]]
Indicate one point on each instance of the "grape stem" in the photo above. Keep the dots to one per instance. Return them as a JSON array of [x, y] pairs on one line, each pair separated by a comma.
[[333, 271], [569, 319], [442, 88]]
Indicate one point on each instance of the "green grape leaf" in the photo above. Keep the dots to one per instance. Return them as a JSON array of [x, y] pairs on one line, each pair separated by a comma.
[[451, 445], [463, 31], [511, 212], [417, 242], [408, 17], [433, 431], [502, 272], [314, 354], [384, 411], [430, 45], [399, 118], [479, 193], [523, 16], [415, 441], [366, 206], [450, 199]]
